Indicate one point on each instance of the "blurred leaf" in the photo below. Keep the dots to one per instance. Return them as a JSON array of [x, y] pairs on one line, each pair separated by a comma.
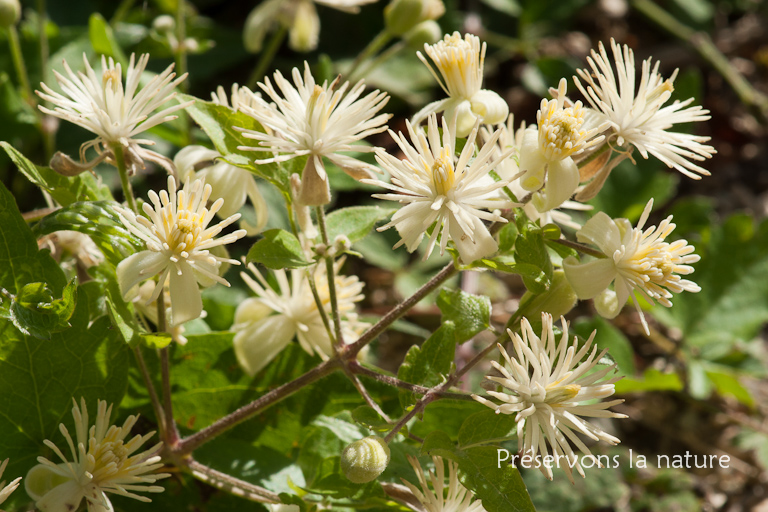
[[438, 443], [507, 265], [355, 222], [531, 249], [219, 123], [726, 382], [470, 314], [509, 7], [652, 380], [36, 313], [103, 39], [98, 220], [628, 188], [608, 336], [83, 187], [370, 419], [700, 11], [279, 249], [17, 118], [732, 305]]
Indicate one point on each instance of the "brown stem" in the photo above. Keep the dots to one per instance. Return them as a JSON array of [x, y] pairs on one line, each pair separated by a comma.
[[171, 432], [395, 382], [352, 349], [580, 248], [230, 484], [156, 405], [187, 445]]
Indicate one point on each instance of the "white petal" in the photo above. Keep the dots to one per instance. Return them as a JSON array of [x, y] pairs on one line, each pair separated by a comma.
[[607, 305], [484, 244], [186, 300], [465, 118], [138, 267], [62, 498], [187, 158], [562, 180], [251, 310], [259, 343], [601, 231], [589, 279], [532, 161], [489, 106]]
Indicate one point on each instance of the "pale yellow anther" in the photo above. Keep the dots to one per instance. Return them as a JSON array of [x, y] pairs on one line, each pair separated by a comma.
[[111, 77]]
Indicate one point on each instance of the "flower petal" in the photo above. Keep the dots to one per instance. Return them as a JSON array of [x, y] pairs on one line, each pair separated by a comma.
[[186, 300], [256, 345], [138, 267], [601, 231], [589, 279]]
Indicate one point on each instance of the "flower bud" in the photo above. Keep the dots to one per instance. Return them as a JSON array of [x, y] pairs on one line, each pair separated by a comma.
[[10, 13], [400, 16], [426, 32], [305, 30], [364, 460], [558, 300], [164, 23]]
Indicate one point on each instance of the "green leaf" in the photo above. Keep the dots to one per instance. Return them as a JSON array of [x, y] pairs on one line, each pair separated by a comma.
[[370, 419], [355, 222], [607, 336], [507, 236], [278, 249], [219, 122], [36, 313], [486, 427], [428, 365], [508, 265], [499, 486], [530, 248], [103, 39], [64, 190], [39, 379], [732, 306], [438, 443], [652, 380], [471, 314], [98, 220], [21, 261], [726, 383]]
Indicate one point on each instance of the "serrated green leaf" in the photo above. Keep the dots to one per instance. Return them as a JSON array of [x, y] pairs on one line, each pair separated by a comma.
[[438, 443], [38, 380], [370, 419], [278, 249], [64, 190], [355, 222], [471, 314], [507, 236], [219, 122], [21, 261], [486, 427], [103, 39], [428, 365], [500, 488], [508, 265], [530, 248], [36, 313], [98, 220]]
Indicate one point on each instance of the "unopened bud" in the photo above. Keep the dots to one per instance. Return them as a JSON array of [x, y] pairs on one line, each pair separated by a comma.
[[426, 32], [191, 45], [305, 31], [400, 16], [10, 13], [341, 243], [164, 23], [364, 460]]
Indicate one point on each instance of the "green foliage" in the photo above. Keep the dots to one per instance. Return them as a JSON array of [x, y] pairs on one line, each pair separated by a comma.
[[355, 222], [607, 336], [470, 314], [98, 220], [36, 313], [103, 39], [66, 191], [220, 124], [39, 379], [278, 249], [429, 364], [531, 249]]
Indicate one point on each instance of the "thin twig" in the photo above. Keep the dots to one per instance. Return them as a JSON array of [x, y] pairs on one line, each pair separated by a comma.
[[364, 393], [373, 332], [171, 432], [331, 272], [156, 405], [230, 484], [580, 248], [358, 369]]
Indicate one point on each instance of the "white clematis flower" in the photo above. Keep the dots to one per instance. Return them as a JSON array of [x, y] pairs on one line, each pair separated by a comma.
[[460, 63], [114, 111], [441, 498], [103, 461], [266, 324], [6, 490], [547, 151], [437, 187], [636, 113], [549, 390], [178, 241], [637, 260], [318, 122]]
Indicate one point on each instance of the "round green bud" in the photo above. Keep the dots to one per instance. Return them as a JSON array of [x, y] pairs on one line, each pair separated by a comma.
[[10, 13], [426, 32], [364, 460], [400, 16]]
